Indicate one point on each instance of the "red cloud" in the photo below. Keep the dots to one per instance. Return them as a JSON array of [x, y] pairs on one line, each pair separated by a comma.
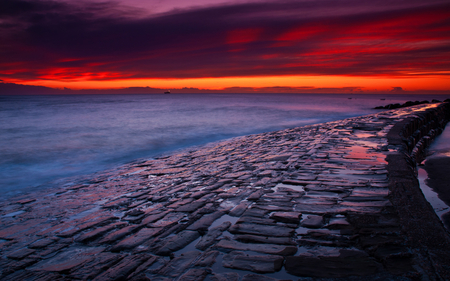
[[243, 36], [49, 41]]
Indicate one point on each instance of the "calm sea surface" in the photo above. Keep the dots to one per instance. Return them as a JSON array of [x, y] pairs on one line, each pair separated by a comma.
[[44, 139]]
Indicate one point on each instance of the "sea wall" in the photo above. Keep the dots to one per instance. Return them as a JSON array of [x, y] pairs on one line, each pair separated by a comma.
[[425, 231], [419, 131]]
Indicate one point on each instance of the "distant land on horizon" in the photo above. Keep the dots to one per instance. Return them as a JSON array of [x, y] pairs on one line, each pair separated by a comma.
[[18, 89]]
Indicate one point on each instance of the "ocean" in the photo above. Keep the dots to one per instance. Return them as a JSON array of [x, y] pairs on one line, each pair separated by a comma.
[[48, 140]]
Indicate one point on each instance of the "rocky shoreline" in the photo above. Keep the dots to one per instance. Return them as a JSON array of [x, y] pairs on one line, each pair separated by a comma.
[[318, 201]]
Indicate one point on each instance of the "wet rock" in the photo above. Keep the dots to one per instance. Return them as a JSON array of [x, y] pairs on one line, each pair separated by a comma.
[[210, 237], [265, 239], [191, 207], [272, 207], [168, 220], [26, 201], [68, 259], [154, 217], [98, 265], [206, 221], [195, 274], [256, 195], [227, 276], [207, 209], [207, 259], [134, 212], [121, 233], [260, 264], [348, 263], [264, 230], [338, 223], [258, 277], [287, 217], [122, 269], [138, 273], [379, 240], [256, 220], [9, 233], [239, 209], [53, 249], [177, 242], [72, 230], [230, 245], [42, 243], [99, 231], [180, 203], [312, 221], [255, 212], [20, 254], [136, 239], [179, 264], [281, 158], [116, 203]]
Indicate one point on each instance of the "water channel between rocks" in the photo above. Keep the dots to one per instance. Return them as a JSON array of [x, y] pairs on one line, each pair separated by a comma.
[[439, 148], [432, 197]]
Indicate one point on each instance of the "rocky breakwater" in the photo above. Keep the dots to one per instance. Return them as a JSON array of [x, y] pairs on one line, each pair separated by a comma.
[[317, 201], [426, 234]]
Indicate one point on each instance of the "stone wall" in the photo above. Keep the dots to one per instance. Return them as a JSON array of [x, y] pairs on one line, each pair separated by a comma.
[[425, 232], [420, 131]]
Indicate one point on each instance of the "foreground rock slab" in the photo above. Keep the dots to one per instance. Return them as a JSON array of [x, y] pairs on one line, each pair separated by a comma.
[[322, 201]]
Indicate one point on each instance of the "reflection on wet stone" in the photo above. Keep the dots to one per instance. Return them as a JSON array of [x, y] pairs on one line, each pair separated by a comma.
[[302, 202]]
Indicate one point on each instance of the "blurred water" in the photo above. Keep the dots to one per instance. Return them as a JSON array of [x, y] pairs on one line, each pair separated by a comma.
[[46, 138]]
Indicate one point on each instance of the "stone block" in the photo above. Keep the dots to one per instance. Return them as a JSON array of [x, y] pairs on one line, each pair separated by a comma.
[[259, 264]]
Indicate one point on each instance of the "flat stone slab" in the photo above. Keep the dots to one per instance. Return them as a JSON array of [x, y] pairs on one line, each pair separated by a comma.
[[228, 246], [177, 242], [259, 264], [68, 259], [136, 239], [258, 229]]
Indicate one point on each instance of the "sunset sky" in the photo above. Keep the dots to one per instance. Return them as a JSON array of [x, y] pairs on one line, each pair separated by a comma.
[[216, 44]]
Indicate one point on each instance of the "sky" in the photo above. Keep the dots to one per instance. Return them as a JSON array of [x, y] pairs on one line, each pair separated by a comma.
[[354, 45]]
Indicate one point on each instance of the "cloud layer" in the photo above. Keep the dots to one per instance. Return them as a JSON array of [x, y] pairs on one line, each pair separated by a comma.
[[102, 41]]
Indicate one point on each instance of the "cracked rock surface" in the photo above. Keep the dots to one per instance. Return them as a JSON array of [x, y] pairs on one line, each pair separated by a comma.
[[292, 204]]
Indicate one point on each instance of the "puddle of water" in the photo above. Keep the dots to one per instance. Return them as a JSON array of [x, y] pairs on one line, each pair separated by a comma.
[[188, 248], [363, 135], [432, 197], [136, 172], [365, 156], [302, 230], [223, 219], [14, 214], [87, 212], [282, 186]]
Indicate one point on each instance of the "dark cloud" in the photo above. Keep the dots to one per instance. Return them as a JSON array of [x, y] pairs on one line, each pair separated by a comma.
[[57, 40]]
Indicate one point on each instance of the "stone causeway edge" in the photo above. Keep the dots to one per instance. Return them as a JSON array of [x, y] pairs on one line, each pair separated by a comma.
[[425, 231]]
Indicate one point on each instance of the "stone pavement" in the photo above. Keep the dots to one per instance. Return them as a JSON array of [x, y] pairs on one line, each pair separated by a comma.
[[297, 204]]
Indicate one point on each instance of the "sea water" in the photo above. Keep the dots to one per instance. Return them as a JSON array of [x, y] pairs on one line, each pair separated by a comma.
[[46, 139]]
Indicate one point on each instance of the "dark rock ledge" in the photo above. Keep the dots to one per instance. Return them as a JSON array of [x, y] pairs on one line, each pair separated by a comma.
[[426, 234], [313, 203]]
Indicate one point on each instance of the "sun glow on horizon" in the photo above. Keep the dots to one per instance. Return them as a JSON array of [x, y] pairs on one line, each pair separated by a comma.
[[365, 83]]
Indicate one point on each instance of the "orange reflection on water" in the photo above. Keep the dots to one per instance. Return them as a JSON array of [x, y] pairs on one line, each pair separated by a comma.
[[366, 156]]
